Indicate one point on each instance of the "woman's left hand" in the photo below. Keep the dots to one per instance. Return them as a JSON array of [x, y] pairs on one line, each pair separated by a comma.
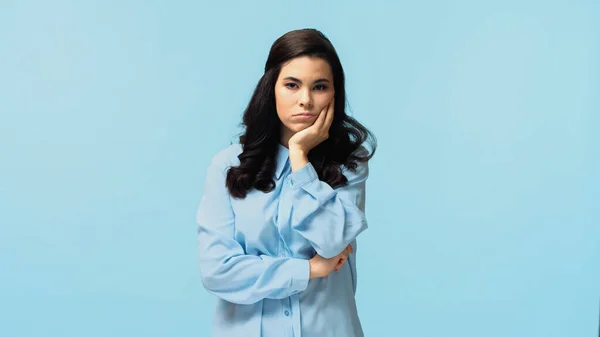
[[305, 140]]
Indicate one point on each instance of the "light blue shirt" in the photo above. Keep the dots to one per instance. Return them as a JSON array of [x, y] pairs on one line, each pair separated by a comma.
[[254, 252]]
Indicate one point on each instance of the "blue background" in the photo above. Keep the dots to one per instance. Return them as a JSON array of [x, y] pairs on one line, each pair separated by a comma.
[[483, 199]]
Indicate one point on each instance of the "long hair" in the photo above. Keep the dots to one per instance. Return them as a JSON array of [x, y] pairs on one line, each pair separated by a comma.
[[263, 128]]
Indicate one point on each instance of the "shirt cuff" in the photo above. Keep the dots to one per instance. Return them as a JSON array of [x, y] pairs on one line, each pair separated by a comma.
[[303, 176], [300, 274]]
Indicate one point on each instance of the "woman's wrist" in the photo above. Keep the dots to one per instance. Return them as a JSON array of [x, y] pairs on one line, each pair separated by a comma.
[[313, 272], [298, 159]]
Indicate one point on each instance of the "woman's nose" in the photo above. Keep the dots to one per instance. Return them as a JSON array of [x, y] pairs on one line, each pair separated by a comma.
[[305, 99]]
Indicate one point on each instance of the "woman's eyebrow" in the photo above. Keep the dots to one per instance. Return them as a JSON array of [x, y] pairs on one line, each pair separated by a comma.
[[298, 81]]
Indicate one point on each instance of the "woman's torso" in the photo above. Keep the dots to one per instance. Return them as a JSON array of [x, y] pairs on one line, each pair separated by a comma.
[[326, 308]]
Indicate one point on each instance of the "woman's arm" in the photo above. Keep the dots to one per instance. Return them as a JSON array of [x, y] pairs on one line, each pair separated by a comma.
[[225, 269], [328, 218]]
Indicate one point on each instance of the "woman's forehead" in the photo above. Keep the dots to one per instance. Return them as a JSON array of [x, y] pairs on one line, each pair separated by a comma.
[[306, 68]]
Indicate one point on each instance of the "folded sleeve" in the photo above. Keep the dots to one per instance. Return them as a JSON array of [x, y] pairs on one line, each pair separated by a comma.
[[225, 270], [328, 218]]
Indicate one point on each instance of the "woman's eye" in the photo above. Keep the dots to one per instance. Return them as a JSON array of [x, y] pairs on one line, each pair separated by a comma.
[[290, 85], [321, 86]]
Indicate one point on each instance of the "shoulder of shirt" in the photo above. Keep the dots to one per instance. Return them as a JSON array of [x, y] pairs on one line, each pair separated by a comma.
[[227, 156]]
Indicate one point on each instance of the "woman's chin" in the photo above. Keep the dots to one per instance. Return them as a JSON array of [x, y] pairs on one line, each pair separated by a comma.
[[297, 127], [300, 126]]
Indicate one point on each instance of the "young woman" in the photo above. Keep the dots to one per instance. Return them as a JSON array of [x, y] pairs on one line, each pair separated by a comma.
[[280, 213]]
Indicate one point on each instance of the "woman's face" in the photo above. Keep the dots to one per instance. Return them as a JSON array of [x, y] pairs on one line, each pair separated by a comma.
[[304, 87]]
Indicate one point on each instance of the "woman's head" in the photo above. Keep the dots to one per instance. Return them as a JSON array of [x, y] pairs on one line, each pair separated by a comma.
[[308, 73], [291, 84], [303, 73]]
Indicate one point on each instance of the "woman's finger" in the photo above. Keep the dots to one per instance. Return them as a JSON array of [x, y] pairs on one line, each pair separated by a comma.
[[329, 116], [340, 264], [318, 124]]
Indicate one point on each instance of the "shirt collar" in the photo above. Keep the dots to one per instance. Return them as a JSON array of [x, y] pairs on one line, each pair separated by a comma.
[[282, 158]]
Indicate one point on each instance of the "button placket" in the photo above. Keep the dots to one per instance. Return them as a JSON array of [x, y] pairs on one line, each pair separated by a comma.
[[282, 245]]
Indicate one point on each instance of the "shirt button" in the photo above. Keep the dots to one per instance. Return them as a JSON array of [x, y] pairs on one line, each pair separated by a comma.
[[287, 313]]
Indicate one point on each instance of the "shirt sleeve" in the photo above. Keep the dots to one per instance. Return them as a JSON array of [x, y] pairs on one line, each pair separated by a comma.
[[226, 271], [328, 218]]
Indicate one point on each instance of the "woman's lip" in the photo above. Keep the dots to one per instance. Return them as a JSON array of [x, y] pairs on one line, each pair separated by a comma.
[[303, 117]]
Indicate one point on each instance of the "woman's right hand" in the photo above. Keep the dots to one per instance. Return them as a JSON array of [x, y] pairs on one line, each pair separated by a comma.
[[321, 267]]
